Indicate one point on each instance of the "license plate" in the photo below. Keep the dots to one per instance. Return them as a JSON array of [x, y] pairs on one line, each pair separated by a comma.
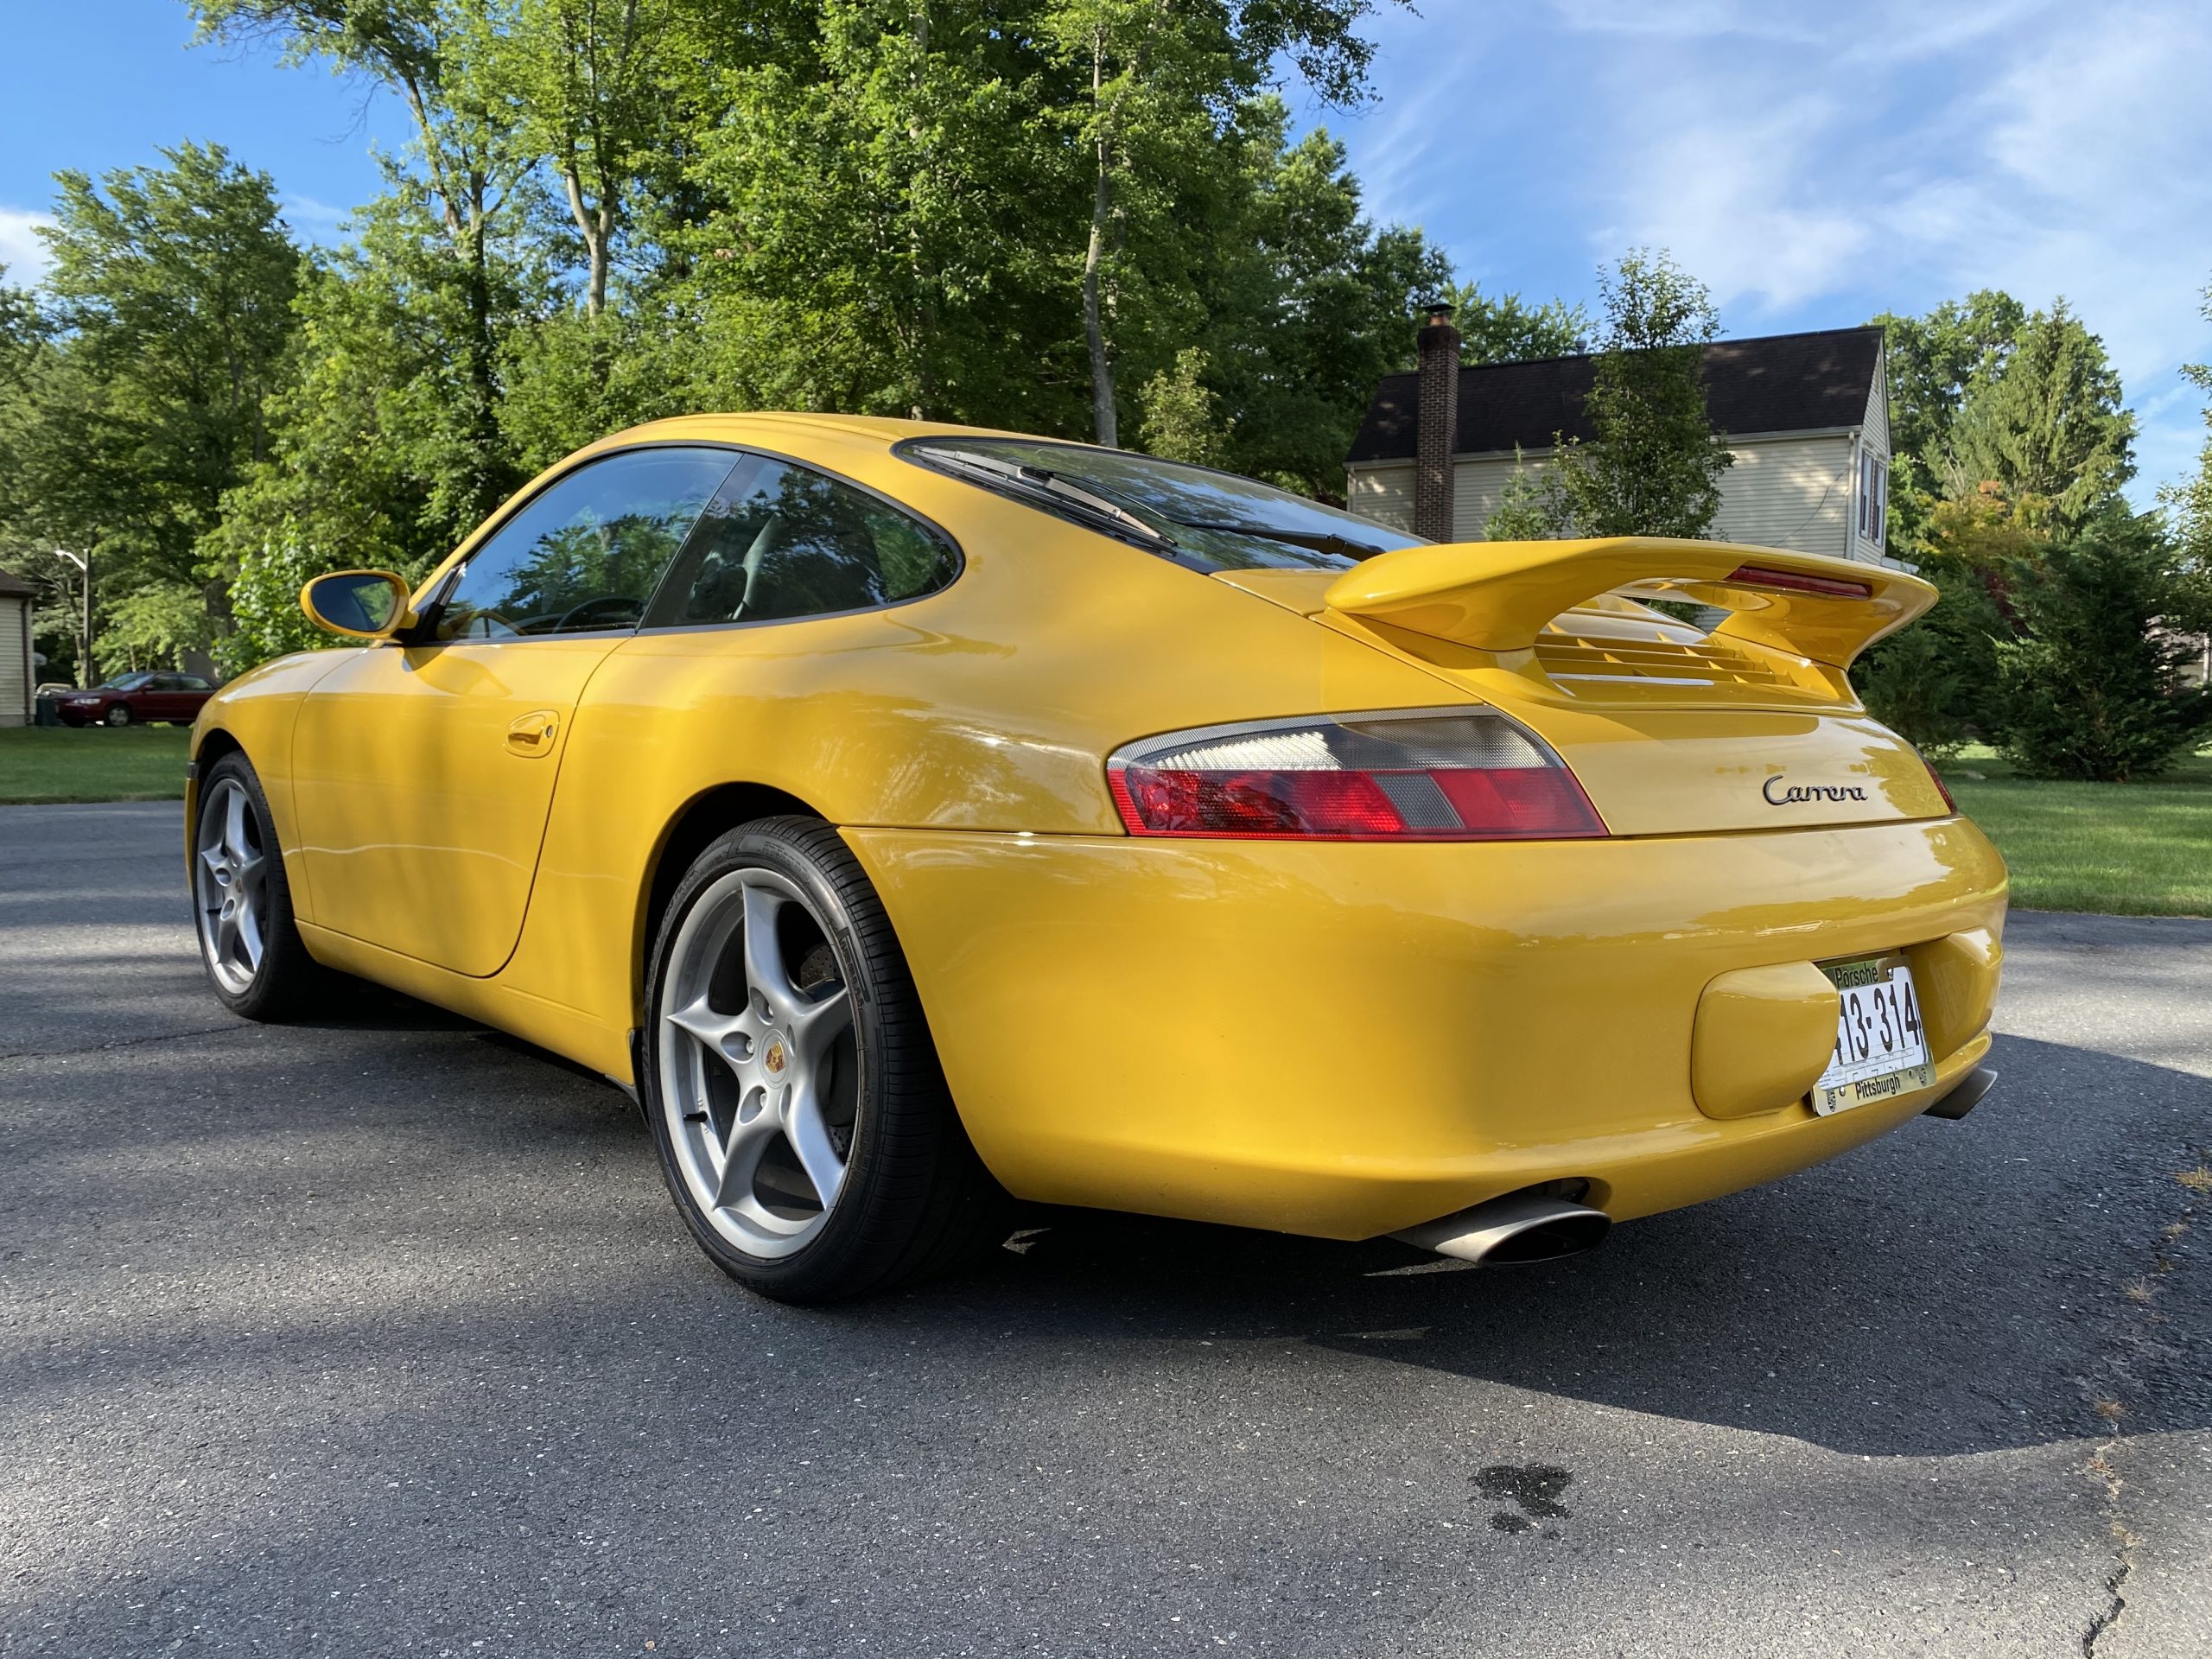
[[1881, 1047]]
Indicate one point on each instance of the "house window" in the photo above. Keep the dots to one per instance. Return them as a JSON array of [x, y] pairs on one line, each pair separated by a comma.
[[1873, 496]]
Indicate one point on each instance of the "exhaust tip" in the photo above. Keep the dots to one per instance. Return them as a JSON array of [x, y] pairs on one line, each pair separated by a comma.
[[1521, 1227], [1967, 1094]]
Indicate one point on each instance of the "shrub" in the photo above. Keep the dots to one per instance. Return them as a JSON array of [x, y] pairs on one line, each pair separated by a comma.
[[2090, 687]]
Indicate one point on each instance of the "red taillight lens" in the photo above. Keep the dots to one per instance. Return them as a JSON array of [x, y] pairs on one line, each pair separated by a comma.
[[1797, 582], [1418, 775]]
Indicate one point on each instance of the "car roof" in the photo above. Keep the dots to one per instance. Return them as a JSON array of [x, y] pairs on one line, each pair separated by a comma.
[[763, 426]]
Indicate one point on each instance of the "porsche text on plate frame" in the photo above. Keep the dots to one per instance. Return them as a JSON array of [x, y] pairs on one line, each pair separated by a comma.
[[914, 815], [1881, 1042]]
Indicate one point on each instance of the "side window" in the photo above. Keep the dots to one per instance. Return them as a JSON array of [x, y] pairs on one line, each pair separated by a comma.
[[1873, 497], [780, 541], [586, 555]]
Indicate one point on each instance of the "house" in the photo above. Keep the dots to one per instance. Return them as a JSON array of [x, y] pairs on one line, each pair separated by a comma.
[[17, 597], [1806, 417]]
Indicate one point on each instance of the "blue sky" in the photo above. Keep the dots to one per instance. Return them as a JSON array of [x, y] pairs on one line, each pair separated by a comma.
[[1813, 163]]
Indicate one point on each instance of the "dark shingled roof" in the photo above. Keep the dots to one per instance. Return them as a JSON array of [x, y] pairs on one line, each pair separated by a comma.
[[1779, 383], [12, 587]]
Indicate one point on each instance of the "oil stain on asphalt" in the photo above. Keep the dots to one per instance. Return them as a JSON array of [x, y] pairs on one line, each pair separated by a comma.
[[1535, 1487]]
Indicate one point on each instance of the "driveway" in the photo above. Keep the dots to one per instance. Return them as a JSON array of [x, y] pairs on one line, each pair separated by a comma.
[[379, 1336]]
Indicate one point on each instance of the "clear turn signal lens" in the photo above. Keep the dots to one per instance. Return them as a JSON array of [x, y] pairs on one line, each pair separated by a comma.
[[1455, 774]]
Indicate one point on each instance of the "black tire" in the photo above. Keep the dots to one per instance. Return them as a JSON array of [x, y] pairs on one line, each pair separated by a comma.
[[118, 715], [915, 1200], [287, 982]]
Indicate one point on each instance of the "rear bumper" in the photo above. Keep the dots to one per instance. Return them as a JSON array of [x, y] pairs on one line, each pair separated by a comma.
[[1347, 1039]]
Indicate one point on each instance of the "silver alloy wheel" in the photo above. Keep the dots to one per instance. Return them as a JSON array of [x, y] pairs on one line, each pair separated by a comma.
[[759, 1075], [230, 885]]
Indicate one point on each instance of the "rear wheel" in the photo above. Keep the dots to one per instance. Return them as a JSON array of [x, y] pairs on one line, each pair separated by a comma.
[[242, 905], [794, 1094]]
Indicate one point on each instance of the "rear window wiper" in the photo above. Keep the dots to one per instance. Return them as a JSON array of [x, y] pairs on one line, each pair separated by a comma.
[[1043, 481], [1321, 541]]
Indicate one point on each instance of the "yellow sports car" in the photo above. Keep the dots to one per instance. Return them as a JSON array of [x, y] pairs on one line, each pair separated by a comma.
[[912, 814]]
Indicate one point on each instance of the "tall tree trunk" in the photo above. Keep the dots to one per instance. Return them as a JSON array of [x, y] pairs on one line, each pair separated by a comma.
[[483, 351], [596, 226], [1094, 328], [924, 399]]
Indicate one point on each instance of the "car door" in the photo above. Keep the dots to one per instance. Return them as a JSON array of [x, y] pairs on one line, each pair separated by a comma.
[[192, 696], [422, 771], [163, 698]]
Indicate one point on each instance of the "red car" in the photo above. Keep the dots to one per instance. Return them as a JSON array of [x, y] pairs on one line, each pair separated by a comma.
[[131, 698]]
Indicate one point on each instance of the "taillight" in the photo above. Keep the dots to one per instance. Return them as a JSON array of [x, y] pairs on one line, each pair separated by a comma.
[[1941, 788], [1411, 775], [1797, 582]]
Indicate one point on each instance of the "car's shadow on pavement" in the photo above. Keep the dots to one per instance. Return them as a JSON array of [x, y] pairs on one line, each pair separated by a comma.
[[1897, 1301]]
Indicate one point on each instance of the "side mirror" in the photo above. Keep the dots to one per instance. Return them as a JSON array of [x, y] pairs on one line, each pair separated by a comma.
[[360, 604]]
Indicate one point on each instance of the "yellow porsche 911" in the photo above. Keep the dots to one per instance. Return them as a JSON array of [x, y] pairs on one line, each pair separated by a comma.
[[913, 815]]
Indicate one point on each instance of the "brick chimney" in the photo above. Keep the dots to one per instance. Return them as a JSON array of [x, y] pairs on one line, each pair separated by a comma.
[[1436, 427]]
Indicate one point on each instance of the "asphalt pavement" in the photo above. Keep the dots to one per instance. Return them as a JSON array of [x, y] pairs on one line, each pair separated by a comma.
[[380, 1336]]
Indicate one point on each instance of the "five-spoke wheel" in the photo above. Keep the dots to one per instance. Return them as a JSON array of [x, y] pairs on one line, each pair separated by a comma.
[[790, 1080], [757, 1058], [241, 903], [230, 883]]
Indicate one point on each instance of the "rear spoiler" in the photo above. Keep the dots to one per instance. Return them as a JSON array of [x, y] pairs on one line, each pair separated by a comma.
[[1497, 596]]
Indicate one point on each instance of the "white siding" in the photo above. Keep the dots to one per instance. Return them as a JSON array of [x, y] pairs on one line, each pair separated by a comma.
[[1874, 440], [1385, 493], [1382, 493], [1792, 493], [15, 660], [1878, 412]]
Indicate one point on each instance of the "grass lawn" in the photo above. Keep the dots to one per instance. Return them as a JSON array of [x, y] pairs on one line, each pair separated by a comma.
[[92, 763], [2126, 849]]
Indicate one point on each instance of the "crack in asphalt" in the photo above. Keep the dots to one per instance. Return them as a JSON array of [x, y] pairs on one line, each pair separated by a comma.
[[2102, 1467], [124, 1042], [2104, 1463]]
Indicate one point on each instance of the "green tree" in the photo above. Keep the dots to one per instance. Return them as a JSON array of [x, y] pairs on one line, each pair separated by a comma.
[[1937, 683], [1652, 466], [2091, 686], [145, 392], [1180, 420], [1532, 507], [1933, 362], [592, 86], [472, 194], [378, 460], [2191, 503], [882, 206], [1160, 86], [1510, 329], [2049, 427], [1304, 304]]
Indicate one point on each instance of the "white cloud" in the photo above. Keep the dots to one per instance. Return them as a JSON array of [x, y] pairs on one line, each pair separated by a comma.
[[21, 250], [318, 219], [1817, 164]]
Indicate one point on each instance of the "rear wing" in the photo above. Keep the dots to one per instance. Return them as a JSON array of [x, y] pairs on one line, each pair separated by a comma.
[[1497, 596]]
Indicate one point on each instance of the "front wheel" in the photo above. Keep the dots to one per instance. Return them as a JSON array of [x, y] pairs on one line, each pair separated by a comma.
[[802, 1123], [118, 715], [242, 905]]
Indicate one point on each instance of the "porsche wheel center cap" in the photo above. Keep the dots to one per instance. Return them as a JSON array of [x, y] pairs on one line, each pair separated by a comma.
[[777, 1057]]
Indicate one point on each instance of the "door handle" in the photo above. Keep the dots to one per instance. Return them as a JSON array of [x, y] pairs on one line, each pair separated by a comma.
[[533, 734]]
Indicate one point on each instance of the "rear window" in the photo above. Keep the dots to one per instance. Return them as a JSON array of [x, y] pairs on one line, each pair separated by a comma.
[[1214, 520]]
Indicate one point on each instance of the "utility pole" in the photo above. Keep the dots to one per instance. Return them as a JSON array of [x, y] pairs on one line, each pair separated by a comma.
[[85, 634]]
